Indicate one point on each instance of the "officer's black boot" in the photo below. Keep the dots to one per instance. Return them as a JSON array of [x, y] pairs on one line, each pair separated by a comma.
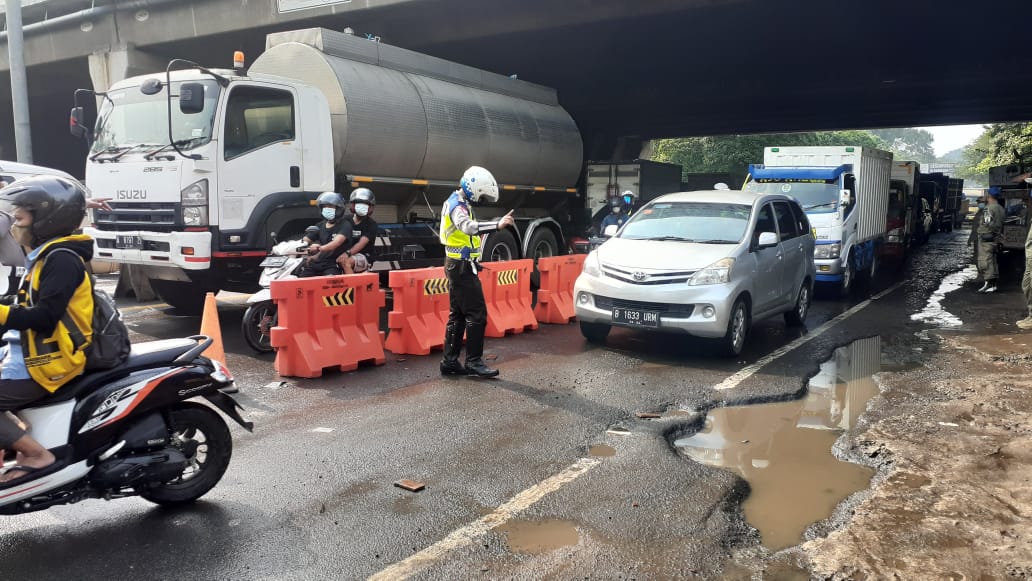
[[452, 346], [475, 352]]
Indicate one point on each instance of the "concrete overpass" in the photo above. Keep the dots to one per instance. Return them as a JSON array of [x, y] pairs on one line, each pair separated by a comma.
[[623, 69]]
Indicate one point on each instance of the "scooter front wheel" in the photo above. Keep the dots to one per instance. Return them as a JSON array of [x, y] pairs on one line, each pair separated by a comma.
[[259, 319], [201, 434]]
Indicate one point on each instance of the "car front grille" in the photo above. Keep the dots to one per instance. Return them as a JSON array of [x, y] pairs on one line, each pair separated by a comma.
[[664, 309], [642, 277], [155, 216]]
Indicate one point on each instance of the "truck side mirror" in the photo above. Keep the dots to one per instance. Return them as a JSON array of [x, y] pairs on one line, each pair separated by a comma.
[[191, 98], [77, 124], [845, 197]]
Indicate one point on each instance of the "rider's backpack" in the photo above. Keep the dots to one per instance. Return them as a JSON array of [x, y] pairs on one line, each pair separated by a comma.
[[110, 344]]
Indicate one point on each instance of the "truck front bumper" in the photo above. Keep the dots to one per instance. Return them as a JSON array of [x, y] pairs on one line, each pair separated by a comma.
[[185, 250], [829, 270]]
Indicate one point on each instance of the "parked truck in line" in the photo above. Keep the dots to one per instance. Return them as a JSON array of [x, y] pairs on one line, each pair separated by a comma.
[[944, 194], [845, 193], [903, 226], [206, 168], [1015, 183]]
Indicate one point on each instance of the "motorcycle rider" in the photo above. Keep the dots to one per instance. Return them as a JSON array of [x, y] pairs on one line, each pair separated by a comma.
[[359, 255], [460, 234], [48, 324], [327, 238], [616, 217]]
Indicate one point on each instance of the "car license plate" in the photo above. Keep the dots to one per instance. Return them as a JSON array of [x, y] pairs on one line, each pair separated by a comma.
[[128, 242], [635, 317]]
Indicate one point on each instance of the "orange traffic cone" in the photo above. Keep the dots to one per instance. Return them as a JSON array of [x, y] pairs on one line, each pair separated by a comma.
[[210, 327]]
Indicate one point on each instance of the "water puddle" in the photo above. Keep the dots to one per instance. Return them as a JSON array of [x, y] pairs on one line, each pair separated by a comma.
[[539, 536], [933, 312], [601, 451], [784, 450]]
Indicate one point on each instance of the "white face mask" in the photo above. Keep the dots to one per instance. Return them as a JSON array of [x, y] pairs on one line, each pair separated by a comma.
[[329, 213], [362, 209]]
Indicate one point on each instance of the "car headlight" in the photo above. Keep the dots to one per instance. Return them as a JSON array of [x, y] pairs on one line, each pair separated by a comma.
[[194, 198], [827, 250], [591, 264], [716, 273]]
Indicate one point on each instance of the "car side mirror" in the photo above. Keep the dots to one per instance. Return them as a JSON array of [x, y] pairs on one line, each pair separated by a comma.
[[844, 197], [610, 230], [77, 124], [191, 98], [767, 239]]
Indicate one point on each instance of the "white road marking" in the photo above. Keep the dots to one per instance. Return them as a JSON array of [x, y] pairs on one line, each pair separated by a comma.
[[746, 373], [467, 534]]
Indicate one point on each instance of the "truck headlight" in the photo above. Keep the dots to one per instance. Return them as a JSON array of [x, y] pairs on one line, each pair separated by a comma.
[[827, 250], [194, 199], [591, 264], [716, 273]]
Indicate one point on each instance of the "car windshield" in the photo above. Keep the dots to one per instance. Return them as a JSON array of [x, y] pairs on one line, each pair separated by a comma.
[[815, 198], [128, 118], [705, 222]]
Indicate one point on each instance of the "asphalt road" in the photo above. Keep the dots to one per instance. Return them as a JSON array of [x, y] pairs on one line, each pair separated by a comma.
[[309, 494]]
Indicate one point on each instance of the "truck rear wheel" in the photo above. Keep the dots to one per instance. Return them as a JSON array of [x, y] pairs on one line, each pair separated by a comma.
[[501, 246], [186, 298], [543, 244]]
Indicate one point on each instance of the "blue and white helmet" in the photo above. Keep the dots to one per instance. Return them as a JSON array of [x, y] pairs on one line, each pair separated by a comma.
[[479, 185]]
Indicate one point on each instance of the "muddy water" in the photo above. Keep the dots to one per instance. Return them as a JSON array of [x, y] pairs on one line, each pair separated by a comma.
[[601, 451], [784, 450], [539, 536]]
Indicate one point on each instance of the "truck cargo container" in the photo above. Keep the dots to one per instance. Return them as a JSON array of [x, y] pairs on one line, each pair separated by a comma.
[[1015, 183], [207, 167], [904, 213], [845, 193]]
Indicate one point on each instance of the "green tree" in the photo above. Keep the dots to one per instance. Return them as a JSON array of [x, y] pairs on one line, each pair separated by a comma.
[[734, 153], [908, 143]]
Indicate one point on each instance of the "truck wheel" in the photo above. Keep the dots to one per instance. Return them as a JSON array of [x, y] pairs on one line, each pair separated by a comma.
[[543, 244], [848, 278], [184, 297], [501, 246]]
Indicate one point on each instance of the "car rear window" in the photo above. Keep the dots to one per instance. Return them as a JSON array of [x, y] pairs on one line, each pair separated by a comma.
[[690, 221]]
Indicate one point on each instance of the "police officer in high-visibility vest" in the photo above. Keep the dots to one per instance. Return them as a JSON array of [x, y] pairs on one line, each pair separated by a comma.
[[461, 236]]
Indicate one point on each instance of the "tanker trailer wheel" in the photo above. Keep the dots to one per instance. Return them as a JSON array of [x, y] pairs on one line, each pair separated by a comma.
[[186, 298], [543, 244], [501, 246]]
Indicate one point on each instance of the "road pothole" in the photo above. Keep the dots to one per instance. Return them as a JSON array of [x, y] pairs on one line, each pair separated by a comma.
[[784, 450], [601, 451], [539, 536]]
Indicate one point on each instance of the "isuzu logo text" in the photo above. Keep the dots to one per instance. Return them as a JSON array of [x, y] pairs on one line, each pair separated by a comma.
[[130, 194]]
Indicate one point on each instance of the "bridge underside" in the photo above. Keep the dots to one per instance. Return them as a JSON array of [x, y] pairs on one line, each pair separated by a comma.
[[689, 67]]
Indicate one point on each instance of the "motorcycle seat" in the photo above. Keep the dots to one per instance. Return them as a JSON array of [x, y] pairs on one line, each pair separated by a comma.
[[141, 356]]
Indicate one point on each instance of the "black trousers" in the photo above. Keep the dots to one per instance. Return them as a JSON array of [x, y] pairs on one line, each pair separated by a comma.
[[465, 295]]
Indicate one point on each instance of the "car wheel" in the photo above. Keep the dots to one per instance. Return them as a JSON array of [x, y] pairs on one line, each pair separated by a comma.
[[737, 329], [595, 332], [797, 316]]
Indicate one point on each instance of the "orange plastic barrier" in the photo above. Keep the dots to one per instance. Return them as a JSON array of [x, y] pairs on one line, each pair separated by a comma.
[[327, 321], [507, 292], [555, 296], [420, 310]]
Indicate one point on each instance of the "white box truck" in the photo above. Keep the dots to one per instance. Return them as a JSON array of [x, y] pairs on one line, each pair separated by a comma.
[[845, 193], [206, 167]]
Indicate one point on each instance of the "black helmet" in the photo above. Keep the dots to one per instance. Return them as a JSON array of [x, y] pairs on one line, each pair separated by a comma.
[[363, 195], [332, 199], [616, 202], [58, 205]]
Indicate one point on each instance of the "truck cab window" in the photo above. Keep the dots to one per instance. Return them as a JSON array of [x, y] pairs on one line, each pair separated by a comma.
[[256, 117], [850, 184]]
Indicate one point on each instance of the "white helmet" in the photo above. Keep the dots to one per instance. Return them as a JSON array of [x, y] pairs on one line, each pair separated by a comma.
[[479, 185]]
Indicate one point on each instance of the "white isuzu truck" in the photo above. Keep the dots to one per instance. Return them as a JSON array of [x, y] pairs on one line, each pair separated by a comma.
[[206, 168], [845, 193]]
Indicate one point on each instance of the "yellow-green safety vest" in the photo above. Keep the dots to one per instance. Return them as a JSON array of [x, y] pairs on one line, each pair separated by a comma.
[[458, 244]]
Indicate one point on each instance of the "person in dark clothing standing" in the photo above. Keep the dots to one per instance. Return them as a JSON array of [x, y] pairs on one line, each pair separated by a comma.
[[990, 229], [361, 235], [460, 234], [326, 240], [48, 325]]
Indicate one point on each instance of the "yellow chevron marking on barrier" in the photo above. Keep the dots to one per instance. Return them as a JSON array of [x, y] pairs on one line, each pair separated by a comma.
[[508, 277], [343, 298], [435, 286]]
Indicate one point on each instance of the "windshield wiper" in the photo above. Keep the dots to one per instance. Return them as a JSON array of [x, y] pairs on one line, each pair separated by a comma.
[[108, 149], [180, 143], [669, 239], [715, 242], [815, 206], [121, 151]]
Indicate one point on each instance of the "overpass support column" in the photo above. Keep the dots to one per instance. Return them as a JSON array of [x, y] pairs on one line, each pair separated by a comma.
[[121, 62], [106, 69]]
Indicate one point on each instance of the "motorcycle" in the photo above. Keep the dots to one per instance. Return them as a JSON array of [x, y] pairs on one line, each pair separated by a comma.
[[131, 431], [283, 262]]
